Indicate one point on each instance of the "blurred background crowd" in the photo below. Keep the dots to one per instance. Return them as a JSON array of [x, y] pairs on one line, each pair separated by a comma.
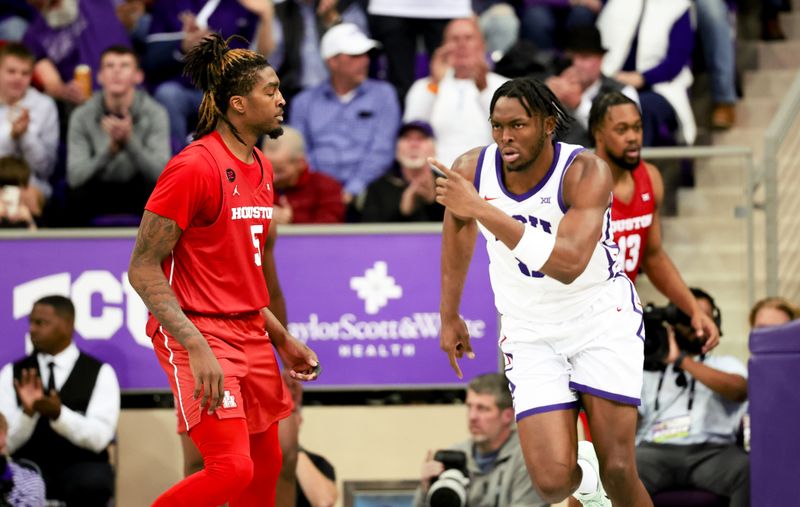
[[93, 102]]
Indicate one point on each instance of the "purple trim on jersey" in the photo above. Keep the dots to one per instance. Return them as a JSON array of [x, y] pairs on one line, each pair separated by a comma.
[[610, 262], [640, 331], [605, 394], [531, 192], [561, 203], [477, 180], [547, 408]]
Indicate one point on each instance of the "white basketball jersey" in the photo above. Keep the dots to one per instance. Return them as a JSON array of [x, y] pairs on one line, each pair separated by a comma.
[[521, 293]]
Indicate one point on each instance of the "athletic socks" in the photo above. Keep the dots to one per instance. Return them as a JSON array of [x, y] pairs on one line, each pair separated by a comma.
[[589, 481]]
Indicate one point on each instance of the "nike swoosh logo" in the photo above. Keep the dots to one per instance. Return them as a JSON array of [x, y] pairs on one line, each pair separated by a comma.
[[485, 198]]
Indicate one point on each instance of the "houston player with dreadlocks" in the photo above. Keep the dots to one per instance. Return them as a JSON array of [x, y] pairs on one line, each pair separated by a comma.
[[197, 265]]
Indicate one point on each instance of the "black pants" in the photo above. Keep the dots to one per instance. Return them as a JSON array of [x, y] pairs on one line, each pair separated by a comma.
[[97, 198], [398, 36], [89, 484], [721, 469]]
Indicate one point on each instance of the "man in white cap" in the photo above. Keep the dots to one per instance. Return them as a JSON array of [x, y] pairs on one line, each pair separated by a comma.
[[349, 122]]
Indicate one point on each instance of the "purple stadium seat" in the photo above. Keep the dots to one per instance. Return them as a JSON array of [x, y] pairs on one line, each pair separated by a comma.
[[689, 498], [774, 413]]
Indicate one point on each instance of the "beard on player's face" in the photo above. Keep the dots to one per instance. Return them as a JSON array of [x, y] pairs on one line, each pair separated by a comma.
[[275, 133], [624, 162]]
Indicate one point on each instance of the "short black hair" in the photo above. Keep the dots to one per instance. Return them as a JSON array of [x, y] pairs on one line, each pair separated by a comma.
[[18, 50], [62, 306], [535, 97], [602, 104], [119, 49]]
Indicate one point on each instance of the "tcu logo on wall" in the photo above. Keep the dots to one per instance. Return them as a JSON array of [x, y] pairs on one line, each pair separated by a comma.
[[103, 302]]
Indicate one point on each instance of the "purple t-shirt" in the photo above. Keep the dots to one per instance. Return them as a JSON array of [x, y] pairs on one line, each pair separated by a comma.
[[81, 42], [163, 58]]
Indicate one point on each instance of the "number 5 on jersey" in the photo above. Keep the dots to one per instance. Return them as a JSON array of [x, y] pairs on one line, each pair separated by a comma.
[[255, 230]]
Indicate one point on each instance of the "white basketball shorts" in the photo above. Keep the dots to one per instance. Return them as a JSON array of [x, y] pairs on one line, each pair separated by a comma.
[[600, 352]]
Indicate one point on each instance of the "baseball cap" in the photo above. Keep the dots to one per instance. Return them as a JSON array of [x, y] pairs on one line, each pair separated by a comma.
[[584, 39], [420, 125], [345, 39]]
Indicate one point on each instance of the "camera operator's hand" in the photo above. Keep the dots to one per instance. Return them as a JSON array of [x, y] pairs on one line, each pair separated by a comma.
[[705, 327], [430, 470], [674, 350]]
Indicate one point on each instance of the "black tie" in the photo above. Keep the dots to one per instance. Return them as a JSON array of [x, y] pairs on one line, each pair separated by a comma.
[[51, 382]]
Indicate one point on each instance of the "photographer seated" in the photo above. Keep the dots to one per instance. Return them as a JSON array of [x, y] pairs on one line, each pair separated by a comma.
[[488, 469], [692, 407]]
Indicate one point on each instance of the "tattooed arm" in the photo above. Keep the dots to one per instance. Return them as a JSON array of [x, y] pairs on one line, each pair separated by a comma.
[[156, 239]]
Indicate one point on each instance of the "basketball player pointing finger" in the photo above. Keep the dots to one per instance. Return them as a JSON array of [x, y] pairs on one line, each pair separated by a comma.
[[572, 328], [198, 266]]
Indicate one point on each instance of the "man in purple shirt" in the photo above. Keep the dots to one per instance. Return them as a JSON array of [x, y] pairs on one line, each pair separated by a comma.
[[68, 34], [177, 26]]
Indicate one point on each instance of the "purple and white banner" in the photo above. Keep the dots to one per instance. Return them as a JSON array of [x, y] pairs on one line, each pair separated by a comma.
[[366, 303]]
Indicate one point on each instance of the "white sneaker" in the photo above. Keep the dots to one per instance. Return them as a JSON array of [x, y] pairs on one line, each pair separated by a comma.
[[598, 498]]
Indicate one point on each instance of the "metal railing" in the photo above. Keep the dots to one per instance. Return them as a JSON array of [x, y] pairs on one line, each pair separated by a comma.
[[774, 137], [749, 189]]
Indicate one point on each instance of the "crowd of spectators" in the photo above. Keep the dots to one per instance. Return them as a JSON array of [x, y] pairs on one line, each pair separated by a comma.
[[93, 100]]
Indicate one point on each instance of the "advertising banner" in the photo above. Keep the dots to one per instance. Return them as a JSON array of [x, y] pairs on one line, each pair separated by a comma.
[[368, 304]]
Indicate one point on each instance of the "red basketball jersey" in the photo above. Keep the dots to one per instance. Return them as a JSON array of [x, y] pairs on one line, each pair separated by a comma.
[[215, 269], [631, 221]]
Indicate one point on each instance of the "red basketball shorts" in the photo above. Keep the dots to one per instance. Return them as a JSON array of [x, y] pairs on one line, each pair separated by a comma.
[[253, 386]]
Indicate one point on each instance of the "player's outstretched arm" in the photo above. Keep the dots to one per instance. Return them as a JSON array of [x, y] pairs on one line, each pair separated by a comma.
[[458, 243], [156, 238], [659, 268]]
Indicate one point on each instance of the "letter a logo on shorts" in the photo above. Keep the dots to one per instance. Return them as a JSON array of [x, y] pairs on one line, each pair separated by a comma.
[[228, 400]]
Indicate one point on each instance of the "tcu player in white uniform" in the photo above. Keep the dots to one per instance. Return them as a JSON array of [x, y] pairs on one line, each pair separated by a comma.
[[572, 330]]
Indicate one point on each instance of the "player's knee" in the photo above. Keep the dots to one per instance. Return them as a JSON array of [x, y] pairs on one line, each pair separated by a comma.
[[616, 472], [235, 471], [553, 485]]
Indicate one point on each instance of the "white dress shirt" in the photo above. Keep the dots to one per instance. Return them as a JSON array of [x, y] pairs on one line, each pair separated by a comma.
[[39, 144], [93, 430]]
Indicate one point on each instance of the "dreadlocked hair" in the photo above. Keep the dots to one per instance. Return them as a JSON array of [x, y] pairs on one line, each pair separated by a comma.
[[220, 72], [535, 97], [602, 104]]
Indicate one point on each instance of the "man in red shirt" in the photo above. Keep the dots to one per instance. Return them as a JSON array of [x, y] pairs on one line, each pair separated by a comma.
[[198, 266], [616, 125], [306, 197]]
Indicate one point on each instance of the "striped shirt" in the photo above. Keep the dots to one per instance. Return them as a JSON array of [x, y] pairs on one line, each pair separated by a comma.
[[28, 490]]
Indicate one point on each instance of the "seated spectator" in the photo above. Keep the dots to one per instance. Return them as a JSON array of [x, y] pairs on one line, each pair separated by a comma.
[[14, 177], [305, 196], [314, 475], [297, 28], [772, 311], [581, 83], [493, 455], [399, 24], [62, 407], [19, 485], [15, 16], [691, 412], [67, 34], [407, 192], [348, 122], [455, 98], [118, 143], [179, 25], [542, 20], [651, 51], [27, 120], [717, 37]]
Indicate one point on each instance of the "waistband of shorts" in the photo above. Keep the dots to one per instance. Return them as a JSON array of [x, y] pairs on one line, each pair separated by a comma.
[[224, 316]]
